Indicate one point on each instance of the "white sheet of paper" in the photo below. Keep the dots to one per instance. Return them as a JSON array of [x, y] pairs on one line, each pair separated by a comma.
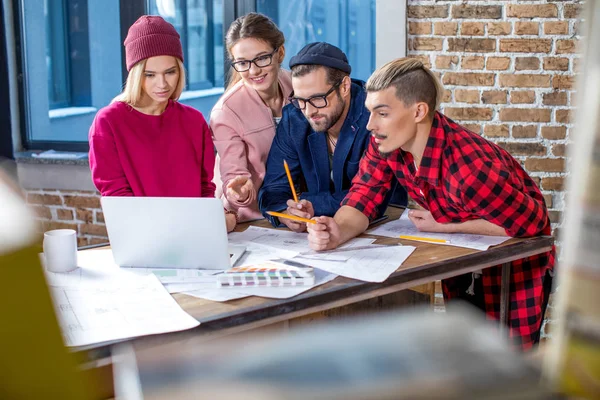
[[374, 265], [404, 226], [225, 294], [102, 303], [257, 253]]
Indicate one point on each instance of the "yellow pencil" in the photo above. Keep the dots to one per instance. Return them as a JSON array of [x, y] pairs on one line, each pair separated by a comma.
[[423, 239], [287, 171], [292, 217]]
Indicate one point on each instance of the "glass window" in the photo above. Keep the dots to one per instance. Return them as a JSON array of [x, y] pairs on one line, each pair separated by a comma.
[[67, 53], [348, 24], [200, 25]]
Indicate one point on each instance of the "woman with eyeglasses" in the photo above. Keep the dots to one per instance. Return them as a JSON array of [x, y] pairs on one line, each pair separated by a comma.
[[244, 120], [146, 143]]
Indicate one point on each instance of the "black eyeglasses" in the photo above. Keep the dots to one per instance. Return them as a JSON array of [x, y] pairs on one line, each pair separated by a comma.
[[260, 62], [317, 101]]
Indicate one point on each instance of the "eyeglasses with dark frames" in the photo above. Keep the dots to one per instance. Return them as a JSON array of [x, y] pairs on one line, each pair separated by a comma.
[[317, 101], [260, 61]]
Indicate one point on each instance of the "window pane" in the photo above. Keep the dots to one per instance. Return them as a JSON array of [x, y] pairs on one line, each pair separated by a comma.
[[199, 23], [56, 53], [348, 24]]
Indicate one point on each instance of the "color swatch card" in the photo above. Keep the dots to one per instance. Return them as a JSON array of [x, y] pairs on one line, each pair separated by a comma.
[[268, 273]]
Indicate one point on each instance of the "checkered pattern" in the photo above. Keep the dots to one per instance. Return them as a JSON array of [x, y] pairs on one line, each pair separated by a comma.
[[463, 177]]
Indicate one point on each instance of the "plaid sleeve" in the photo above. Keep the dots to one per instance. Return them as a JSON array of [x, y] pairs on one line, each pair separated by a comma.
[[371, 183], [490, 193]]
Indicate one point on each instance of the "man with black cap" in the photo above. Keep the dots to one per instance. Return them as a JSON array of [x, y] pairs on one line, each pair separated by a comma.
[[322, 136]]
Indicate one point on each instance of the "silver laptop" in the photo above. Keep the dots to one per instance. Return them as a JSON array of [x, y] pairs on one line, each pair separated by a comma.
[[169, 232]]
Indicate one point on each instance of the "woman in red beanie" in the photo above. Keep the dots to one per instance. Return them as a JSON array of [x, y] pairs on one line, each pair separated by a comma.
[[146, 143], [244, 120]]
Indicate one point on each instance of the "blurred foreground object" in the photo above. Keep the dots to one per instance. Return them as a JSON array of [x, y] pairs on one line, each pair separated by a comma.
[[573, 359], [412, 355], [34, 363]]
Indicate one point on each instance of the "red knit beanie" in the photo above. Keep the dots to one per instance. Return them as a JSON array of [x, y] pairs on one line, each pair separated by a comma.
[[151, 36]]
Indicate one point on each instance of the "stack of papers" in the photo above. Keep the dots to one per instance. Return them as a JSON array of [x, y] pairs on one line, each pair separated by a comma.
[[95, 305]]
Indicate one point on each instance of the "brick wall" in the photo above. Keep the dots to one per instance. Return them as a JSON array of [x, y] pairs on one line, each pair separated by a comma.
[[70, 210], [508, 68]]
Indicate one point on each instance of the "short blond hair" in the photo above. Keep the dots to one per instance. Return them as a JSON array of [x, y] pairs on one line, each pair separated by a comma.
[[132, 93], [413, 81]]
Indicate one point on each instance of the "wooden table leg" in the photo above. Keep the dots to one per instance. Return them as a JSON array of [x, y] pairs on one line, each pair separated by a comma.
[[505, 299]]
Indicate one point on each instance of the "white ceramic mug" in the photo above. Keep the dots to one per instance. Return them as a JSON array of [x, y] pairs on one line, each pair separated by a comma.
[[60, 250]]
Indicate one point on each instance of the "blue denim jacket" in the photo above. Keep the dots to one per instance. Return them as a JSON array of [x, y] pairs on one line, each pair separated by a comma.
[[306, 154]]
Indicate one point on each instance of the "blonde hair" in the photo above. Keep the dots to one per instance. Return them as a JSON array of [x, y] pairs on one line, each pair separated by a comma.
[[413, 81], [133, 90]]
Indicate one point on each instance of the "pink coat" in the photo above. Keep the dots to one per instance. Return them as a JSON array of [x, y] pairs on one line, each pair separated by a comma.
[[242, 129]]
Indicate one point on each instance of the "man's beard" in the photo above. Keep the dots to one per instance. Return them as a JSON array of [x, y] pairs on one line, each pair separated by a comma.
[[329, 121]]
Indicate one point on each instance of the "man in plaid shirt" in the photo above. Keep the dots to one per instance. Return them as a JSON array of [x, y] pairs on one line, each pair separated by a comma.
[[465, 184]]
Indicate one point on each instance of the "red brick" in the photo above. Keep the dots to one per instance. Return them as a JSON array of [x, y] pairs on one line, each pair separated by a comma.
[[98, 240], [572, 10], [564, 116], [41, 211], [475, 128], [82, 241], [548, 200], [466, 96], [524, 80], [566, 46], [531, 11], [422, 43], [419, 28], [499, 28], [522, 97], [445, 28], [545, 164], [471, 45], [469, 114], [99, 216], [527, 63], [523, 149], [525, 114], [559, 150], [556, 64], [476, 12], [555, 216], [472, 28], [494, 97], [498, 63], [468, 79], [45, 199], [577, 65], [445, 62], [472, 62], [447, 96], [85, 216], [524, 132], [66, 215], [563, 82], [527, 28], [554, 132], [51, 225], [494, 131], [95, 230], [526, 45], [82, 201], [556, 28], [554, 99], [553, 183], [424, 12]]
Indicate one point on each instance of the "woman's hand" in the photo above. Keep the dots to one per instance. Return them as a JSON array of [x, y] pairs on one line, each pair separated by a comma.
[[230, 220], [239, 188]]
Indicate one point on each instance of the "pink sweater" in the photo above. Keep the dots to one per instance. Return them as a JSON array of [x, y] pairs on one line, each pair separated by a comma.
[[243, 129], [167, 155]]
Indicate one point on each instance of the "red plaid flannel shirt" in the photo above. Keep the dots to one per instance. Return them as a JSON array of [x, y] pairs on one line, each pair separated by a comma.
[[462, 177]]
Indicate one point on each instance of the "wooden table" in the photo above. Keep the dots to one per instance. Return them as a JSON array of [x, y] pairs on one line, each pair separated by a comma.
[[428, 263]]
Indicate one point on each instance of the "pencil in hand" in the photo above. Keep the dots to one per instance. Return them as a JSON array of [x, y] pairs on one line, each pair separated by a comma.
[[287, 171], [292, 217]]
